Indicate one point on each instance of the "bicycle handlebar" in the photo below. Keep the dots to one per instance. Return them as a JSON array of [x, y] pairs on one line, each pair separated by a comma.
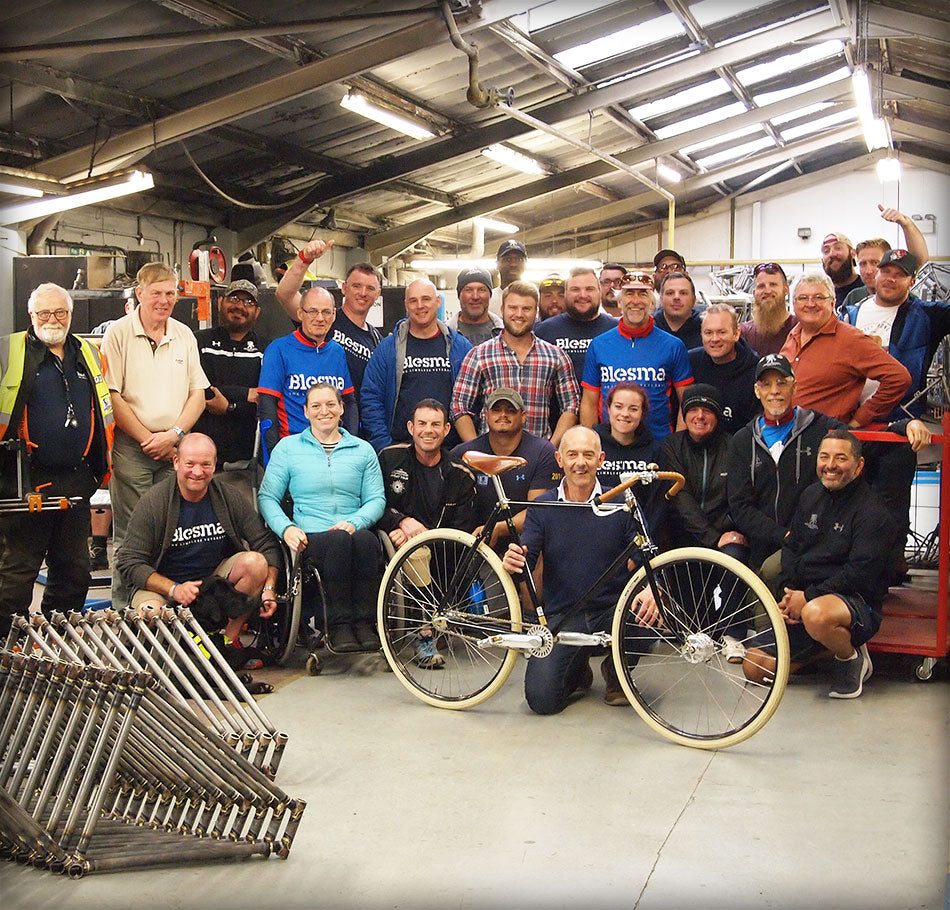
[[679, 481]]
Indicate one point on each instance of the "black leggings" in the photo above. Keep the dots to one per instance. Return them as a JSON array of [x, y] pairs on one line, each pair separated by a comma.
[[349, 568]]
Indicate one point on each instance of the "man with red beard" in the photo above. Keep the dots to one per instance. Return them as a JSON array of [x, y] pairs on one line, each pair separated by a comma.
[[771, 321]]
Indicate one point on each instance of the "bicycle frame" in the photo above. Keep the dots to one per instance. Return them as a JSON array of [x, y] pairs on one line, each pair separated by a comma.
[[641, 543]]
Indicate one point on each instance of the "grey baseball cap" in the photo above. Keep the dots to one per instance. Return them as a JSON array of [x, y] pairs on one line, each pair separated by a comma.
[[503, 394]]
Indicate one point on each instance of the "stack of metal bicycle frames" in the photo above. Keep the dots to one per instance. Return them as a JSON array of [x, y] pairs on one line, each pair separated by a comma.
[[105, 766]]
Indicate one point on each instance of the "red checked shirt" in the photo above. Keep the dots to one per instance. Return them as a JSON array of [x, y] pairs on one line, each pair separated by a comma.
[[545, 371]]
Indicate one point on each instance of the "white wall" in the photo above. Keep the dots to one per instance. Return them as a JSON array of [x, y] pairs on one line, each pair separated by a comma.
[[12, 243]]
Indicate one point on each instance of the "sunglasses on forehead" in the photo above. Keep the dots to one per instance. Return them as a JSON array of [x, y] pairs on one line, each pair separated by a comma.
[[769, 268], [551, 283]]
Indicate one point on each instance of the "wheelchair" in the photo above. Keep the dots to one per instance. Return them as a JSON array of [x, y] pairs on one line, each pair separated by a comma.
[[301, 617]]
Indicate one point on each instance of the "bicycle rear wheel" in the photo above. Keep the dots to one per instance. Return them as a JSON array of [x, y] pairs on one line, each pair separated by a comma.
[[440, 586], [678, 678]]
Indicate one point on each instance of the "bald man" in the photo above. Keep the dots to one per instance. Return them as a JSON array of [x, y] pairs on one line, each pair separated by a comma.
[[191, 526], [297, 361], [578, 546], [419, 360]]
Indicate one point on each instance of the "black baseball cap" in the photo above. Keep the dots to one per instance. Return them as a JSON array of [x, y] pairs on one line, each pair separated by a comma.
[[663, 254], [902, 259], [511, 246], [777, 362]]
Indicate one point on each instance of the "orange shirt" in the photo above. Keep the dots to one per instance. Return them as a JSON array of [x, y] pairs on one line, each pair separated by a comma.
[[832, 367]]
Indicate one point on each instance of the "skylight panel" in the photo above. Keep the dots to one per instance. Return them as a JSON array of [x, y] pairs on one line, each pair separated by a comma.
[[725, 137], [679, 100], [792, 90], [737, 151], [788, 63], [621, 42], [700, 120], [822, 123]]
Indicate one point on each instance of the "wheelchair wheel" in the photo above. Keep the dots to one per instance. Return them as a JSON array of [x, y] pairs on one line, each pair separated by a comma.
[[440, 600], [277, 637], [679, 678]]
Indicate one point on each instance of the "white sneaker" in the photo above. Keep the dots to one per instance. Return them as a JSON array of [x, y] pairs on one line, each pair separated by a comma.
[[733, 649]]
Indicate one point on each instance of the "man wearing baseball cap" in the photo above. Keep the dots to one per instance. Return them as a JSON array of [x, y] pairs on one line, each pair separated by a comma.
[[838, 260], [505, 416], [511, 261], [666, 261], [231, 355], [910, 330], [473, 319], [636, 351]]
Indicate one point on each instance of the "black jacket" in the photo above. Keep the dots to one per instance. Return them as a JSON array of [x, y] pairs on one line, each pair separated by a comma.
[[701, 508], [762, 494], [839, 544], [735, 381], [402, 478]]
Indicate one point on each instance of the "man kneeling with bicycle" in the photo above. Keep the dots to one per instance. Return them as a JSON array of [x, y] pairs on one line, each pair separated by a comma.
[[577, 546]]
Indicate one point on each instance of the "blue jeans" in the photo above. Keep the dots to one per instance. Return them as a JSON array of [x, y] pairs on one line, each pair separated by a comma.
[[550, 681]]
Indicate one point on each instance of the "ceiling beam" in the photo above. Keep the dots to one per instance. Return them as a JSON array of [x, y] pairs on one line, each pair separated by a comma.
[[658, 81], [887, 22], [403, 235], [929, 134], [217, 112], [903, 89]]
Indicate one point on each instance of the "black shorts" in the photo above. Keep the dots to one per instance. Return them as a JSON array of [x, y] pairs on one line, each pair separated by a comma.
[[864, 625]]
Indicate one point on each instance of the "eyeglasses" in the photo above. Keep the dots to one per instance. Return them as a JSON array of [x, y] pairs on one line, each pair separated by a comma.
[[671, 267], [322, 314], [769, 268], [233, 298], [47, 315], [612, 282], [811, 298], [779, 382]]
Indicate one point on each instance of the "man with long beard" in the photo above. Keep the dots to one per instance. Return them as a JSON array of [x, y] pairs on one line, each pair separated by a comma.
[[771, 321], [55, 399]]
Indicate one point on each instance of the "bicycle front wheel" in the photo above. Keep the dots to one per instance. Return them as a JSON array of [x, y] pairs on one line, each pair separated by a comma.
[[679, 677], [441, 600]]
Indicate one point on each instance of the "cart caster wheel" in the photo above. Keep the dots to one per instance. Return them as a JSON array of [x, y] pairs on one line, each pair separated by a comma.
[[314, 667], [925, 670]]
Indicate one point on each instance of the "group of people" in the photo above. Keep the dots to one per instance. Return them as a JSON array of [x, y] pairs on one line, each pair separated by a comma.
[[587, 378]]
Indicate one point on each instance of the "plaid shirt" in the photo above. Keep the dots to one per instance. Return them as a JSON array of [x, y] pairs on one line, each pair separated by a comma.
[[546, 371]]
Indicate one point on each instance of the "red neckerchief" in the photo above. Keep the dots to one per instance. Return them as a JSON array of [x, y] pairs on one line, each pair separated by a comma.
[[635, 333], [785, 418]]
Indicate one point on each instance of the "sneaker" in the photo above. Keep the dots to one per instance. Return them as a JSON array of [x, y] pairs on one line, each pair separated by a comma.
[[851, 675], [366, 635], [614, 696], [732, 649], [98, 557], [427, 655], [342, 640]]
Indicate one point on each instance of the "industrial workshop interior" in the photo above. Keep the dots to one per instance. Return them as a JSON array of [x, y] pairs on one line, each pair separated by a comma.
[[186, 182]]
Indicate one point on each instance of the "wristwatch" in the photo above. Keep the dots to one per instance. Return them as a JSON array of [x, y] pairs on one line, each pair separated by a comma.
[[179, 432], [232, 407]]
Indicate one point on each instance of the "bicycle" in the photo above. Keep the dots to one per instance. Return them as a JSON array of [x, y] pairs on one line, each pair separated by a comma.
[[452, 585]]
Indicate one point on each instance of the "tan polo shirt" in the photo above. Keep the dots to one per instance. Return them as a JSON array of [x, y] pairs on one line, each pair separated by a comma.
[[154, 380]]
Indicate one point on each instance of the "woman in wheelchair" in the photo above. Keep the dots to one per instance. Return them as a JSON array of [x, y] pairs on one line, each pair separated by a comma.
[[337, 490]]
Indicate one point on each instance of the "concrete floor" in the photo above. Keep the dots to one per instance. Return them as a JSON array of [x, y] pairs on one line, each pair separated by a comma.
[[840, 804]]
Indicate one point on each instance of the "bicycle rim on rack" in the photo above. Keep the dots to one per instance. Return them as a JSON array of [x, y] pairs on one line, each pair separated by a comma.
[[678, 678], [426, 592]]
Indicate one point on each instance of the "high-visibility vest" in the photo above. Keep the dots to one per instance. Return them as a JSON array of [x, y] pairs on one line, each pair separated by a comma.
[[12, 360]]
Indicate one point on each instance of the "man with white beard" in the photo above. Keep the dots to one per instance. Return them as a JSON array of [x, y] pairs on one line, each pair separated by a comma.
[[54, 399], [771, 321]]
